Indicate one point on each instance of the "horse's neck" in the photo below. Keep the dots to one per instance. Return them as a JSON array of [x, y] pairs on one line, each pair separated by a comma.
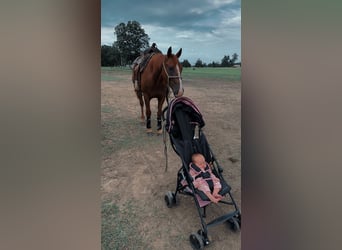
[[157, 64]]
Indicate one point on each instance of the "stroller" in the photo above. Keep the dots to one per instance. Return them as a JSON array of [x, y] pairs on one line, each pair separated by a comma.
[[183, 122]]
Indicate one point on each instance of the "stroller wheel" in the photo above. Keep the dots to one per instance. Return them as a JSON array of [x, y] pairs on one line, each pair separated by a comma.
[[238, 218], [234, 224], [169, 199], [204, 237], [196, 241]]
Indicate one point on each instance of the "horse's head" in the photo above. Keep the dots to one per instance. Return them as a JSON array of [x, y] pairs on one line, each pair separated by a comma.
[[173, 70]]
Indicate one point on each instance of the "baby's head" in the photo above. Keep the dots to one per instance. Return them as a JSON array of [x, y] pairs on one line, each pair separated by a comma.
[[198, 160]]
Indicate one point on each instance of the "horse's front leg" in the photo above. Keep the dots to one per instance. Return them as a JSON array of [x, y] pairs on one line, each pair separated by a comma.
[[159, 114], [148, 115]]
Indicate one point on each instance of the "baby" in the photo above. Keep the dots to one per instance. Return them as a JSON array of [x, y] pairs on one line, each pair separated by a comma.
[[202, 176]]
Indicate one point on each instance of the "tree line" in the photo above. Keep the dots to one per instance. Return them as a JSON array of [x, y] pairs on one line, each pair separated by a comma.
[[131, 39]]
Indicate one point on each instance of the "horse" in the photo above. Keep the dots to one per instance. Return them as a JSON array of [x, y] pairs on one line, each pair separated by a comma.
[[160, 74]]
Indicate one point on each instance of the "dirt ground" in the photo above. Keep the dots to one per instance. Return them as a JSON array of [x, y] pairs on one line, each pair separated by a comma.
[[133, 164]]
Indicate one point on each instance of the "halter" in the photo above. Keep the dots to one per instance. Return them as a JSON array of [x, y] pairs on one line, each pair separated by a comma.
[[168, 80], [170, 77]]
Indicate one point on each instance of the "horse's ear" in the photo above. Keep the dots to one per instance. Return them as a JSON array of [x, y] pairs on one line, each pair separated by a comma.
[[169, 51], [179, 52]]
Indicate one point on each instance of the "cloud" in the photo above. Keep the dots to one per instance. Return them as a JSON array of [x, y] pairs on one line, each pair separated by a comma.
[[206, 29], [107, 35], [219, 3], [196, 11], [231, 18]]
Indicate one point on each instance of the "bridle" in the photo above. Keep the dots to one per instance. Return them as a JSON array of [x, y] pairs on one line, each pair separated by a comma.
[[170, 77], [168, 80]]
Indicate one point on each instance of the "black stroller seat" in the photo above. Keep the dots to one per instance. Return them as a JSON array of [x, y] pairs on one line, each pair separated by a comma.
[[184, 123]]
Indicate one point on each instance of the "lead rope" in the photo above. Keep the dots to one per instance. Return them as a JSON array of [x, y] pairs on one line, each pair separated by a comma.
[[168, 104], [164, 121], [165, 146], [168, 84]]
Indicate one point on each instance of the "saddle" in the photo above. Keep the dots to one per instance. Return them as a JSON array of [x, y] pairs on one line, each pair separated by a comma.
[[141, 63], [145, 61]]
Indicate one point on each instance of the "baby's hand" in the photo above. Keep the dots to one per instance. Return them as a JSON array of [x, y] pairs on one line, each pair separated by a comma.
[[216, 200], [218, 196]]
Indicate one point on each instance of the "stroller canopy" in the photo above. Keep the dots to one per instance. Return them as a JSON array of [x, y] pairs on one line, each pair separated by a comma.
[[184, 122], [186, 105]]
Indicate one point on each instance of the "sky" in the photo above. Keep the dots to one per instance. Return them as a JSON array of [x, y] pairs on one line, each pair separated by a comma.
[[204, 29]]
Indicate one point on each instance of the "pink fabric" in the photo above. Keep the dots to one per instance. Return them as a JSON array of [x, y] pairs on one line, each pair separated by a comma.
[[201, 183], [201, 202]]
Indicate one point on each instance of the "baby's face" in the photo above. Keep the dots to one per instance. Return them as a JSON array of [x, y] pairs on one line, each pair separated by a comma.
[[200, 162]]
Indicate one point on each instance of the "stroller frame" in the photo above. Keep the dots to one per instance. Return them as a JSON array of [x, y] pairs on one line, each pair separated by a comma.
[[192, 141]]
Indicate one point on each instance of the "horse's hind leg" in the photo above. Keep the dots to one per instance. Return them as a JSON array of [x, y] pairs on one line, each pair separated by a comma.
[[141, 101], [142, 110], [148, 116]]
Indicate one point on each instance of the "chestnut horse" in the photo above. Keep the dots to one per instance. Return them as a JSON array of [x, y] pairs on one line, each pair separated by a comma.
[[161, 73]]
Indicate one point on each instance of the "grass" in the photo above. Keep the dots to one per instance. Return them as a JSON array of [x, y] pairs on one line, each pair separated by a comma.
[[115, 73], [118, 133], [230, 74], [120, 223], [119, 227], [116, 69], [112, 140]]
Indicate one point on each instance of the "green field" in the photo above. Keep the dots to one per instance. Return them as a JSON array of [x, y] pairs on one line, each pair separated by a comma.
[[115, 73], [230, 74]]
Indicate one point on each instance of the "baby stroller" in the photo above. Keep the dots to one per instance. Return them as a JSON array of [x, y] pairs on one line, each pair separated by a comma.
[[183, 122]]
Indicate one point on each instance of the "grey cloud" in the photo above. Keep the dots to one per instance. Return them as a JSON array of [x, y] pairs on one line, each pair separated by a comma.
[[192, 24]]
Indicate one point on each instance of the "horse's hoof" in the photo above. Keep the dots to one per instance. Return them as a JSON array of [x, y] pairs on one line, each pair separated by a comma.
[[159, 131], [149, 131]]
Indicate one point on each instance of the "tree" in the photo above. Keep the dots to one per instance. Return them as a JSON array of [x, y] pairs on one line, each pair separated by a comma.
[[186, 64], [199, 63], [234, 58], [110, 56], [229, 62], [214, 64], [130, 40], [225, 62]]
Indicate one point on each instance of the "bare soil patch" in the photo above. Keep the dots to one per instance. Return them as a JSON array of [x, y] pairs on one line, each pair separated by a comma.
[[133, 164]]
